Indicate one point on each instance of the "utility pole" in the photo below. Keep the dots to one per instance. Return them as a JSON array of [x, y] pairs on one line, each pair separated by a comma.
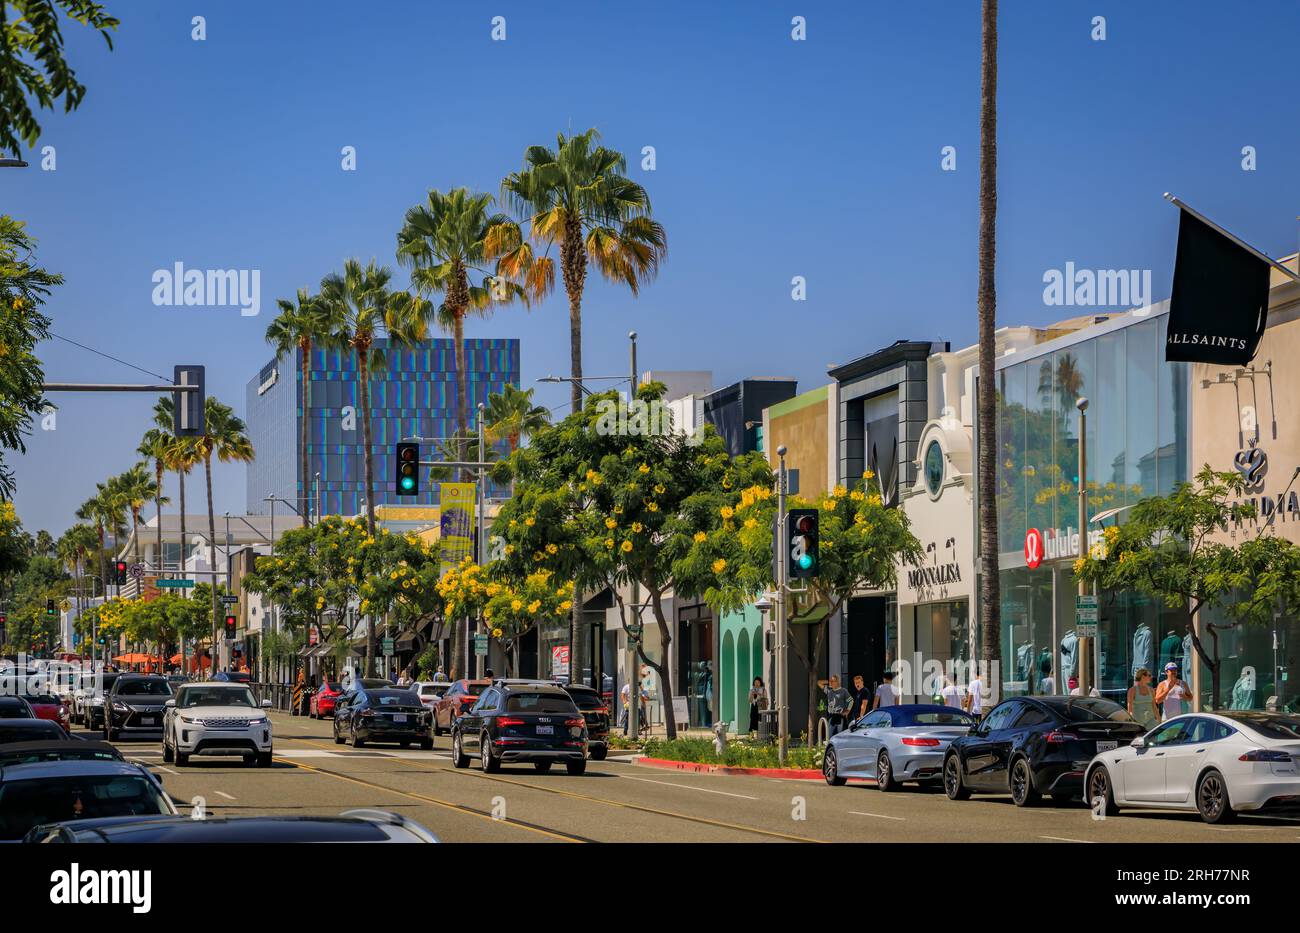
[[480, 539], [781, 611], [1087, 646], [631, 663]]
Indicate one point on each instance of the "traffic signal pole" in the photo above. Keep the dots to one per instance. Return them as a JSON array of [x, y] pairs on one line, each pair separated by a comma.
[[782, 582]]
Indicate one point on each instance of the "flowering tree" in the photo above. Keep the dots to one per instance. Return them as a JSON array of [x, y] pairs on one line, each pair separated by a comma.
[[401, 583], [862, 543]]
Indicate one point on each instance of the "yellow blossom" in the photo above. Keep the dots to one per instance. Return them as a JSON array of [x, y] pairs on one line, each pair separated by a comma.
[[636, 527], [700, 536], [516, 604], [497, 633], [719, 565], [643, 469], [611, 523], [609, 542], [529, 521], [626, 546], [534, 606], [726, 511], [552, 548]]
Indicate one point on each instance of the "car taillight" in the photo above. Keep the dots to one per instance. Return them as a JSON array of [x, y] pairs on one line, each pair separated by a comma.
[[367, 714], [930, 743], [504, 721], [575, 722], [602, 710], [468, 701], [1264, 754], [1060, 738]]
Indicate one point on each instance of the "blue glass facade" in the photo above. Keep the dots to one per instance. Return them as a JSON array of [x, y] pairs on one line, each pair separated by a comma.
[[413, 394]]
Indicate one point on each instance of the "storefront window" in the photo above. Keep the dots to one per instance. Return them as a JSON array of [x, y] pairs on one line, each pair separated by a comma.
[[1027, 627], [1011, 457], [1140, 399], [1041, 470], [1108, 417], [1260, 665]]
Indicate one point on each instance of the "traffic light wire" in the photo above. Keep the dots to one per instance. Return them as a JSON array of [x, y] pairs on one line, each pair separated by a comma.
[[110, 357]]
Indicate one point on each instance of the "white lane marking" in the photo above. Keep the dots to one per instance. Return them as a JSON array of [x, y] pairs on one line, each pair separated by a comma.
[[1065, 839], [168, 770], [227, 796], [704, 790], [879, 816], [306, 753]]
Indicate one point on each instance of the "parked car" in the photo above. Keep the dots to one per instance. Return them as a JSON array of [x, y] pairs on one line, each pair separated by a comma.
[[22, 753], [381, 715], [595, 710], [216, 718], [1030, 746], [13, 707], [895, 744], [91, 702], [460, 696], [63, 791], [135, 705], [349, 826], [48, 706], [234, 677], [522, 722], [1216, 764], [323, 700], [430, 691]]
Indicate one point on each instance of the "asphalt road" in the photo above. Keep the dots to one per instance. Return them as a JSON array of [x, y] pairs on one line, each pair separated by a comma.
[[619, 801]]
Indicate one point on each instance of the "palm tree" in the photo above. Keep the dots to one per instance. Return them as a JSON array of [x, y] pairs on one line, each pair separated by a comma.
[[511, 414], [103, 510], [301, 327], [445, 241], [990, 595], [578, 196], [179, 455], [153, 446], [137, 487], [72, 547], [223, 436]]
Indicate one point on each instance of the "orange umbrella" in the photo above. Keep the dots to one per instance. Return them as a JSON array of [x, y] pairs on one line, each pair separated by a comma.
[[135, 657], [177, 658]]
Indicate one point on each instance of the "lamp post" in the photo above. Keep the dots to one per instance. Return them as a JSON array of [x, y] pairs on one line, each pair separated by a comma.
[[780, 679], [1087, 646]]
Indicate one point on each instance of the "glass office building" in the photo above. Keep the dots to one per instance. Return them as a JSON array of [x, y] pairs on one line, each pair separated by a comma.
[[1136, 446], [414, 394]]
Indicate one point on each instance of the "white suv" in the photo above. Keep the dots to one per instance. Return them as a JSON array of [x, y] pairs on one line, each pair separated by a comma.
[[216, 719]]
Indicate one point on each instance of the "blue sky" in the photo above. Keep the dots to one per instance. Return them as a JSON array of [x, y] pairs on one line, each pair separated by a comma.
[[775, 158]]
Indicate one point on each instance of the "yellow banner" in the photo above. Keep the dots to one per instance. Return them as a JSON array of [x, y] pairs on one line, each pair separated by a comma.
[[457, 523]]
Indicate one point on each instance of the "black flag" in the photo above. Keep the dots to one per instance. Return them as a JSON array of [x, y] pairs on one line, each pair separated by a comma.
[[1219, 302]]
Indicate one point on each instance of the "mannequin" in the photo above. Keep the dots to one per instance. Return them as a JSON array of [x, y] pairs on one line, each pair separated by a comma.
[[1142, 639], [1069, 654]]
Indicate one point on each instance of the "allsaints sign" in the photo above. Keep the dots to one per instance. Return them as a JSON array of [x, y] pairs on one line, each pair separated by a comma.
[[1219, 301]]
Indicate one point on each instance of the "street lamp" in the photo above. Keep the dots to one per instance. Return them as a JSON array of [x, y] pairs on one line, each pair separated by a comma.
[[12, 163], [1090, 645]]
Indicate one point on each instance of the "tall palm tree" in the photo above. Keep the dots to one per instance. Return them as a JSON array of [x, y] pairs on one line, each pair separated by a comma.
[[223, 436], [446, 241], [578, 196], [103, 510], [153, 446], [990, 591], [299, 328], [364, 309], [511, 414], [179, 455], [137, 487]]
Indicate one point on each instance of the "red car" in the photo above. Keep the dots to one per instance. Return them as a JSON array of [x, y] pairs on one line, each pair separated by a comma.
[[323, 700], [460, 696], [48, 706]]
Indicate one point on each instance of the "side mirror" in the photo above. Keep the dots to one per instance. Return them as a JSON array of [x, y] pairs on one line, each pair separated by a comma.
[[266, 704], [170, 704], [1139, 742]]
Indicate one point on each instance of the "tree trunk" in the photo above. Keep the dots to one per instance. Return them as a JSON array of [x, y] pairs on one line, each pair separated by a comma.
[[135, 536], [990, 595], [813, 670], [663, 669], [157, 504], [304, 465], [573, 260], [212, 553], [363, 396], [462, 396]]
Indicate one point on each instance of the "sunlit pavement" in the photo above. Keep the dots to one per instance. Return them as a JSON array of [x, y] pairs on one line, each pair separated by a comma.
[[619, 801]]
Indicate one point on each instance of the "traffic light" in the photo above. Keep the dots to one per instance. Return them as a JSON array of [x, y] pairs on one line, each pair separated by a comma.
[[801, 525], [408, 469], [51, 609], [230, 626], [119, 573]]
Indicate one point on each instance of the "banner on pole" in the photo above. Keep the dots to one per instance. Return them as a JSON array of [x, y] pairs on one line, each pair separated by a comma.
[[457, 524]]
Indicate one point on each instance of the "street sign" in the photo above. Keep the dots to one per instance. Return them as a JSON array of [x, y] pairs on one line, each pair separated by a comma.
[[136, 571], [480, 646], [559, 660], [230, 600], [65, 605], [388, 646], [176, 584], [1086, 630]]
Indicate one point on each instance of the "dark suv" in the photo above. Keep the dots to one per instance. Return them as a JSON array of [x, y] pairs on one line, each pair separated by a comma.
[[596, 712], [518, 722], [135, 705]]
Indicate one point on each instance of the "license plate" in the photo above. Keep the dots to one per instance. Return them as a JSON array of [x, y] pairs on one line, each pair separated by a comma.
[[546, 730], [146, 720], [1107, 746], [399, 717]]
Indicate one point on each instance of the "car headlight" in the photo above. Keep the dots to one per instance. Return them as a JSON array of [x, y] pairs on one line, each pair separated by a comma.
[[96, 701], [191, 722], [120, 707], [259, 721]]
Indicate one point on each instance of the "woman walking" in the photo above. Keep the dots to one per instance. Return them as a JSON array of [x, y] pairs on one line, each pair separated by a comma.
[[1142, 700], [757, 702], [1171, 693]]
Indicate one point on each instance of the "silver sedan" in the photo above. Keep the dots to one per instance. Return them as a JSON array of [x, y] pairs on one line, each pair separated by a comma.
[[895, 744]]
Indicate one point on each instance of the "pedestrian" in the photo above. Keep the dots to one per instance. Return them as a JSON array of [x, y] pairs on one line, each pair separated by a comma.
[[1142, 700], [757, 702], [1171, 693], [951, 693], [975, 694], [887, 694], [838, 701], [392, 676], [439, 676], [1077, 691], [861, 704], [487, 672]]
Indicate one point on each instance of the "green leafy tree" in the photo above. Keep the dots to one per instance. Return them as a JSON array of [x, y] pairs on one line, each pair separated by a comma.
[[136, 487], [1171, 547], [511, 415]]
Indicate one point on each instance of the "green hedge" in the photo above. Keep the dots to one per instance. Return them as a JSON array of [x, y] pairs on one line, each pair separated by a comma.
[[737, 755]]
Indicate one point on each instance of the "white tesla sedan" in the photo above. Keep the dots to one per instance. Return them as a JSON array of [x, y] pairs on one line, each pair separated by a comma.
[[1217, 764]]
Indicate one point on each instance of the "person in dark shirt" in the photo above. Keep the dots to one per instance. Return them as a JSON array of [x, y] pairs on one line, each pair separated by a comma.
[[862, 697]]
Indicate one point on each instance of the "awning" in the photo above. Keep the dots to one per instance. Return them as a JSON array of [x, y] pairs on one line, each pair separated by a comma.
[[405, 641]]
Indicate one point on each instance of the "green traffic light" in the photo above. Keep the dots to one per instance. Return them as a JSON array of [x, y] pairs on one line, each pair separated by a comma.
[[408, 482], [805, 561]]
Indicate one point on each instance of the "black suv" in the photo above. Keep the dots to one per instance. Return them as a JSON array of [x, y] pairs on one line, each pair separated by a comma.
[[517, 722], [1030, 746], [136, 704], [594, 710]]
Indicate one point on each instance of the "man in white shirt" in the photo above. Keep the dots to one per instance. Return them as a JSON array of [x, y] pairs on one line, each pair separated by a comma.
[[975, 696], [886, 694], [951, 693]]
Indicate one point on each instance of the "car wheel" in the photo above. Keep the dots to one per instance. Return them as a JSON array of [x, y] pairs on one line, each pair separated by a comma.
[[168, 755], [1021, 781], [404, 744], [576, 767], [1099, 788], [264, 759], [542, 766], [1212, 798], [426, 744], [598, 753], [885, 772], [338, 739], [182, 759], [830, 769], [953, 785], [486, 761], [354, 741], [458, 756]]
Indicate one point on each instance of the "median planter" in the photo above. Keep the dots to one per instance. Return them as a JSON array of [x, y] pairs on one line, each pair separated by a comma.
[[798, 774]]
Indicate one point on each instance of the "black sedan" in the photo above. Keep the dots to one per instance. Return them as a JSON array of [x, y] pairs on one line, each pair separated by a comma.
[[12, 707], [1031, 746], [30, 729], [521, 722], [381, 715]]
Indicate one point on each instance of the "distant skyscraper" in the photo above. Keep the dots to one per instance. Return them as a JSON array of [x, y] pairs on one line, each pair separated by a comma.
[[415, 394]]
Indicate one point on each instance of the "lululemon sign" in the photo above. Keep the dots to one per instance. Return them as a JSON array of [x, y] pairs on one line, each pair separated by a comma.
[[1033, 548]]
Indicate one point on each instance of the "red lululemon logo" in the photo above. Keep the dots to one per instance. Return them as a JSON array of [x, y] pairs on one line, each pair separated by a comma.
[[1033, 548]]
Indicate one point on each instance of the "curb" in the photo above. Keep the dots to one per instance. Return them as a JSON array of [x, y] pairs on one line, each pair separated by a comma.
[[795, 774]]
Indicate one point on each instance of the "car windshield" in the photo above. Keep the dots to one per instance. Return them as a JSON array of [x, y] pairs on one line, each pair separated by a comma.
[[191, 697], [31, 730], [1271, 725], [67, 751], [539, 703], [951, 717], [585, 700], [24, 804], [14, 709], [145, 688], [1091, 709], [43, 699], [334, 688]]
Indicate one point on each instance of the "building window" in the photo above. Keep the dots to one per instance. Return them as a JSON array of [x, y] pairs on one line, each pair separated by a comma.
[[933, 469]]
